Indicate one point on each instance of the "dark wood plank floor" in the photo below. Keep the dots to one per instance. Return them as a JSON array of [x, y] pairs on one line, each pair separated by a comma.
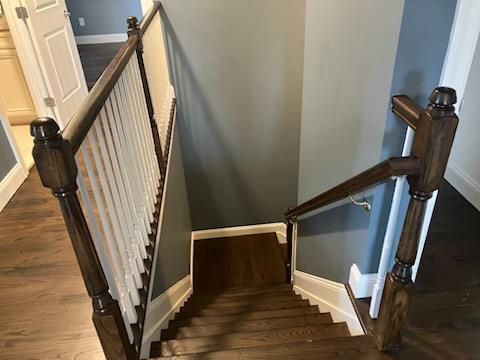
[[238, 261], [444, 320], [95, 58], [45, 312]]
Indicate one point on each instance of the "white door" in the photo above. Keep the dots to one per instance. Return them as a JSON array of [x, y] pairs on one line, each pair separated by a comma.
[[52, 36]]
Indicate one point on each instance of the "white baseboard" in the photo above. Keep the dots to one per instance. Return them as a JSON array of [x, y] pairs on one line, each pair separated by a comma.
[[465, 185], [361, 284], [10, 184], [161, 310], [279, 228], [330, 297], [100, 38]]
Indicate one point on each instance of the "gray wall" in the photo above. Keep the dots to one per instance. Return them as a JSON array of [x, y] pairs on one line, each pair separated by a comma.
[[464, 158], [7, 157], [173, 259], [347, 78], [102, 16], [421, 52], [237, 70]]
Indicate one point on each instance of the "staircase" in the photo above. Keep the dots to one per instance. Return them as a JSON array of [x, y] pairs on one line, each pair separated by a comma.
[[246, 311], [260, 322]]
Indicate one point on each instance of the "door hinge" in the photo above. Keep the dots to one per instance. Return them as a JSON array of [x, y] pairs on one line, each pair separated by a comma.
[[49, 102], [21, 12]]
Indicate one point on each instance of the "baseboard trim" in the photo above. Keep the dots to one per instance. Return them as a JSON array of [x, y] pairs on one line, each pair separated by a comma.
[[100, 38], [330, 297], [465, 185], [279, 228], [361, 284], [161, 310], [10, 184]]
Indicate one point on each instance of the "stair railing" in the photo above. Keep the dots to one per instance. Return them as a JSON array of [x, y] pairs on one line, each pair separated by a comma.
[[107, 170], [435, 128]]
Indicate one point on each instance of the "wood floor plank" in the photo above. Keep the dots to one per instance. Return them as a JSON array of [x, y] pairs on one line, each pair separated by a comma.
[[238, 261], [246, 340]]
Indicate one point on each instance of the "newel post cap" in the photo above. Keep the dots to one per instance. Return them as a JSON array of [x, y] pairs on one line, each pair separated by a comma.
[[443, 97], [132, 22], [44, 128]]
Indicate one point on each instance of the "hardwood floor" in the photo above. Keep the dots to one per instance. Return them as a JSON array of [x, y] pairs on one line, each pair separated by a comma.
[[45, 312], [95, 58], [444, 320], [238, 261]]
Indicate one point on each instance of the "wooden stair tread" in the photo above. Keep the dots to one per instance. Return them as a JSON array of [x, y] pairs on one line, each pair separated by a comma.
[[242, 290], [276, 295], [252, 339], [267, 314], [187, 312], [245, 326], [352, 347]]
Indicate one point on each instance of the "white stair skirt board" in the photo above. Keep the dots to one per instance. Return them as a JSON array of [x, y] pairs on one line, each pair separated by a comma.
[[361, 284], [10, 184], [330, 297], [161, 310], [279, 228], [100, 38], [465, 185]]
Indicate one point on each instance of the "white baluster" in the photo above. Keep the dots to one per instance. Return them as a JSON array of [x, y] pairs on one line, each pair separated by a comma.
[[114, 207], [123, 191], [126, 285]]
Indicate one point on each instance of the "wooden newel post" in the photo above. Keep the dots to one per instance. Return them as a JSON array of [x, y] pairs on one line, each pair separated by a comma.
[[58, 171], [288, 272], [432, 144], [134, 29]]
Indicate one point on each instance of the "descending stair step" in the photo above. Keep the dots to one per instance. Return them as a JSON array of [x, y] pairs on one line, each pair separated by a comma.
[[193, 312], [356, 347], [220, 298], [235, 291], [204, 320], [244, 340], [241, 301], [245, 326]]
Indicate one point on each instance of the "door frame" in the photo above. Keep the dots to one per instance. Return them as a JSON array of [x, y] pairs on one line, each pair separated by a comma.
[[34, 75]]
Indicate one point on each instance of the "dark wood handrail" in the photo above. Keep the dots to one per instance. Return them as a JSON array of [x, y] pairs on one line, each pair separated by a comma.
[[407, 110], [148, 17], [377, 174], [78, 127]]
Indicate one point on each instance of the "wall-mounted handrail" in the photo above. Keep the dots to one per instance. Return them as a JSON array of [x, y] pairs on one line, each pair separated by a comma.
[[407, 110], [83, 119], [377, 174]]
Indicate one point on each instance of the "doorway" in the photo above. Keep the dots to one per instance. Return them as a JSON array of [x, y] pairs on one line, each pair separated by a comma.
[[15, 98]]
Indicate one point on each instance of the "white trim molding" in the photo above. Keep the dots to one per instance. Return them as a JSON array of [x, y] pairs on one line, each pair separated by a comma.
[[10, 184], [361, 284], [467, 186], [100, 38], [161, 310], [280, 229], [330, 297]]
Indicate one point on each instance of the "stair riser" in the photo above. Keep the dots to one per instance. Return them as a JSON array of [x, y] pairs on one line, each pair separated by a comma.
[[199, 321], [187, 312], [193, 303]]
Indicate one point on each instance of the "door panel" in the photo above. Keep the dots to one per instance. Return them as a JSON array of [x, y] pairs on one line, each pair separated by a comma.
[[54, 41]]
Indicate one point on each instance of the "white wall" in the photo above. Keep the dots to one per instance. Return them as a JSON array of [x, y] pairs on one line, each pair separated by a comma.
[[463, 170]]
